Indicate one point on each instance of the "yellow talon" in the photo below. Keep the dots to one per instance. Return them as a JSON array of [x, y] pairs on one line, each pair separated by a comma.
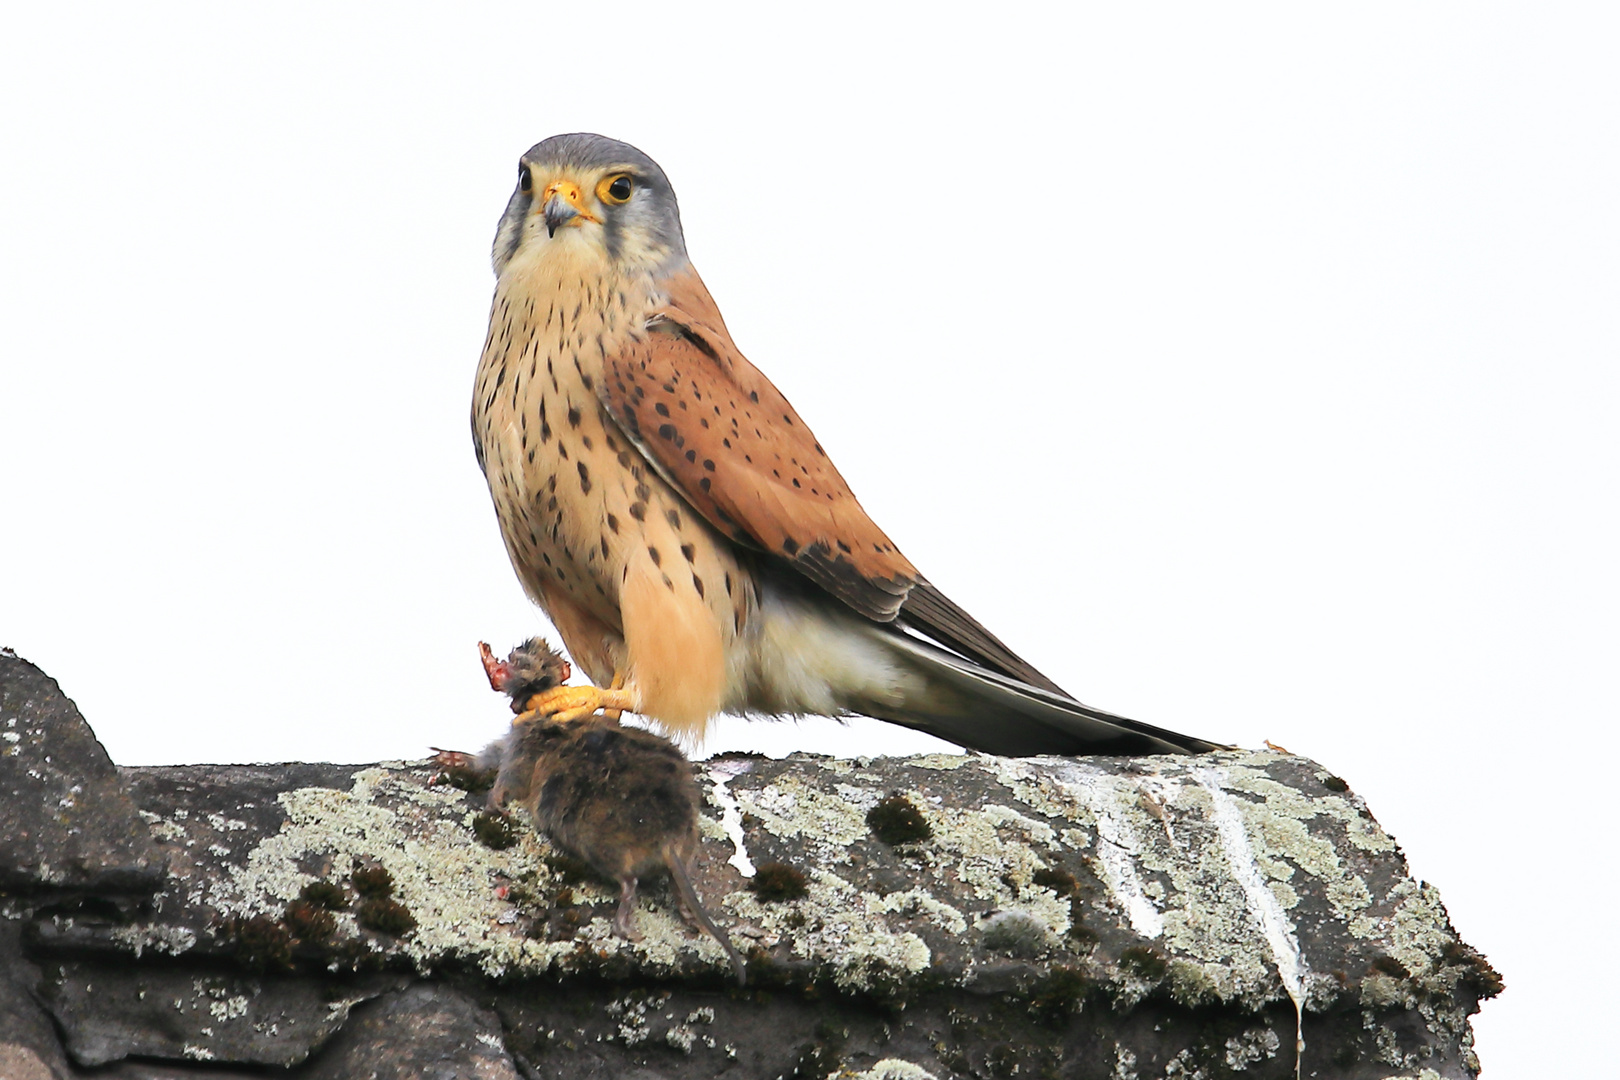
[[566, 703]]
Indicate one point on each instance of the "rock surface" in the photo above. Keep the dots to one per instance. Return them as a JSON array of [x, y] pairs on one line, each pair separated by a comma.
[[902, 917]]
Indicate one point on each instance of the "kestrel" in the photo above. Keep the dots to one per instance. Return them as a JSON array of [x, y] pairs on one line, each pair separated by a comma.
[[677, 520]]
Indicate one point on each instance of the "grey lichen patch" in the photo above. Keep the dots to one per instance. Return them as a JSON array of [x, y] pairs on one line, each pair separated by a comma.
[[1123, 873], [887, 1069], [792, 809], [443, 878], [140, 937], [938, 762], [848, 940], [1016, 933]]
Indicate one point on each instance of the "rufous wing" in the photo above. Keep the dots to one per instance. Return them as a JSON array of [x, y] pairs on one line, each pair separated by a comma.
[[727, 439]]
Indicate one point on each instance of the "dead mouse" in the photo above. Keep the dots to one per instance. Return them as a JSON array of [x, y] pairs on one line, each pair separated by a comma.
[[620, 798], [529, 669]]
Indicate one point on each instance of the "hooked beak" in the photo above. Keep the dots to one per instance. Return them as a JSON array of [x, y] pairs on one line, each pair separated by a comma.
[[564, 204]]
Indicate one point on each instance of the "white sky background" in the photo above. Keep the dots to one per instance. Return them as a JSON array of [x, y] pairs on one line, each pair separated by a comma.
[[1252, 372]]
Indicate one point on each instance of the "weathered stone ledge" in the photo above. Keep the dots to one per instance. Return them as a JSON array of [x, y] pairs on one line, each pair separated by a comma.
[[1096, 917]]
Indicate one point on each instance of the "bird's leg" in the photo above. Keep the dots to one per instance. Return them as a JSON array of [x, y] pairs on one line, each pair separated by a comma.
[[565, 703], [627, 907], [616, 684]]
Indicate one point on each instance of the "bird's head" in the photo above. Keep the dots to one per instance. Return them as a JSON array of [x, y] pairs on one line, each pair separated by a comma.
[[603, 195]]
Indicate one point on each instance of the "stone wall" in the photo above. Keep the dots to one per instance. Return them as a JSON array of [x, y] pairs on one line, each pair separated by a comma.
[[902, 918]]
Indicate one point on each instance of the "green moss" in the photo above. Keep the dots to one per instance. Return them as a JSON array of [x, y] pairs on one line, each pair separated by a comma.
[[1058, 880], [494, 831], [372, 882], [262, 943], [1060, 995], [1388, 965], [309, 922], [1143, 962], [896, 820], [774, 882], [385, 916], [325, 894]]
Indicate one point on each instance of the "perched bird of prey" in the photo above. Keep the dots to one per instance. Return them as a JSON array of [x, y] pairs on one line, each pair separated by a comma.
[[678, 521]]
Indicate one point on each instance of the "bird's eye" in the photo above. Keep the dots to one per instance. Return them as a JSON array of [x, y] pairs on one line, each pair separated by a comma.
[[615, 190], [525, 180]]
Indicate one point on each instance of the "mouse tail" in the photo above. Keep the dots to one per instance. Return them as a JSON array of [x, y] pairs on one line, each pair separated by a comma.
[[689, 897]]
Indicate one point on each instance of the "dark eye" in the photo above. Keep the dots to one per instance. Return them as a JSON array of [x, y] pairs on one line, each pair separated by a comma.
[[615, 190], [525, 181]]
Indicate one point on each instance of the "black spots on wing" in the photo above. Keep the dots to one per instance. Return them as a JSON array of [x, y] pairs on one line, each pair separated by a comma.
[[562, 448], [612, 443], [796, 482], [704, 484], [585, 478], [753, 395], [820, 451], [691, 455], [590, 383], [666, 431], [604, 547], [728, 583], [727, 443], [624, 458], [689, 552], [638, 511], [545, 425], [790, 545], [531, 457], [674, 518], [845, 548], [668, 584], [788, 418], [697, 583], [652, 552], [708, 464], [661, 409], [613, 524], [573, 416]]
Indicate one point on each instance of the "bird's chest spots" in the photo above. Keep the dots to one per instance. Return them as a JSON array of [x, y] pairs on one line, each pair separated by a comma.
[[550, 455], [581, 510]]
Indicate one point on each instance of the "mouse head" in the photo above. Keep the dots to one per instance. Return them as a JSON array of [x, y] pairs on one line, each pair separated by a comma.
[[529, 669]]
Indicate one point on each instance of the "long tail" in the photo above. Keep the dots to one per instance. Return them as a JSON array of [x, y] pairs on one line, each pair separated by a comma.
[[985, 710], [689, 897]]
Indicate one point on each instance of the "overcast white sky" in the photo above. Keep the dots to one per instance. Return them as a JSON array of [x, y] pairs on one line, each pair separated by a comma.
[[1252, 371]]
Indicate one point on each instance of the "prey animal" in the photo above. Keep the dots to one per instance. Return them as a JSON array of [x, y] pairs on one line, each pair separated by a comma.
[[620, 798], [677, 520]]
